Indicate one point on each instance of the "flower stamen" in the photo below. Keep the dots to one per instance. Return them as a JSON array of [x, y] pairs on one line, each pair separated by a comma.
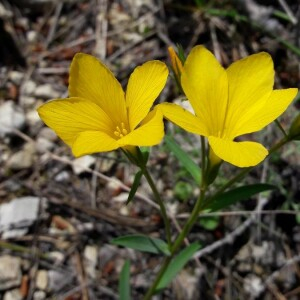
[[120, 131]]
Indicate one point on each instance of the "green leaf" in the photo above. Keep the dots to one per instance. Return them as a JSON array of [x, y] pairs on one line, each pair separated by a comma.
[[238, 194], [143, 243], [135, 185], [210, 223], [124, 282], [183, 190], [184, 158], [176, 265]]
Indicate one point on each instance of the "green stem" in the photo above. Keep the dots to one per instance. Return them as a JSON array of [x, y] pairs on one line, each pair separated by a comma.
[[200, 205], [186, 229], [160, 203], [158, 277]]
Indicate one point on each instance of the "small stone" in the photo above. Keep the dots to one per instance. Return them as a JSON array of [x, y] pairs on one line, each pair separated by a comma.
[[19, 213], [43, 145], [13, 233], [10, 272], [33, 118], [28, 88], [42, 280], [57, 256], [57, 280], [90, 260], [253, 285], [122, 198], [39, 295], [62, 176], [11, 118], [13, 295], [27, 101], [31, 36], [46, 91], [16, 77], [22, 159], [48, 134], [5, 13], [82, 163]]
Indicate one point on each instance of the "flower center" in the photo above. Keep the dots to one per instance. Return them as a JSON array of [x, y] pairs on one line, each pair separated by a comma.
[[120, 131]]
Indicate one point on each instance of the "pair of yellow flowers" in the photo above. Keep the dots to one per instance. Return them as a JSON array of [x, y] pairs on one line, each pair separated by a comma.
[[99, 116]]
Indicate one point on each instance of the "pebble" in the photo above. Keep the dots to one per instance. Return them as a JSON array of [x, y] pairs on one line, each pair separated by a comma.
[[42, 280], [16, 77], [13, 295], [39, 295], [43, 145], [5, 13], [62, 176], [57, 256], [82, 163], [19, 213], [253, 285], [48, 134], [22, 159], [31, 36], [57, 280], [33, 118], [10, 272], [90, 260], [46, 91], [27, 101], [28, 88], [11, 118]]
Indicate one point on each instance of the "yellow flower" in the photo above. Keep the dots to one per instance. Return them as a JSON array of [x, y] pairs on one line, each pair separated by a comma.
[[229, 103], [98, 116]]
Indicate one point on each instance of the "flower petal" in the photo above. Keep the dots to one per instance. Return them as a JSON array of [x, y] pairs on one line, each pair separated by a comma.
[[144, 86], [183, 118], [251, 81], [68, 117], [89, 142], [204, 82], [150, 132], [277, 103], [92, 80], [240, 154]]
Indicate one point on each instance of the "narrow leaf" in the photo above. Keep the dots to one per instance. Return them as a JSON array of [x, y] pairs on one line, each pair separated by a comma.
[[238, 194], [124, 282], [184, 158], [177, 264], [135, 185], [143, 243]]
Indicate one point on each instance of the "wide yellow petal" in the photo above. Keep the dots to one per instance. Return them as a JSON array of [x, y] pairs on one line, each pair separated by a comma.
[[89, 142], [240, 154], [183, 118], [204, 82], [144, 86], [276, 104], [92, 80], [69, 117], [251, 81], [150, 133]]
